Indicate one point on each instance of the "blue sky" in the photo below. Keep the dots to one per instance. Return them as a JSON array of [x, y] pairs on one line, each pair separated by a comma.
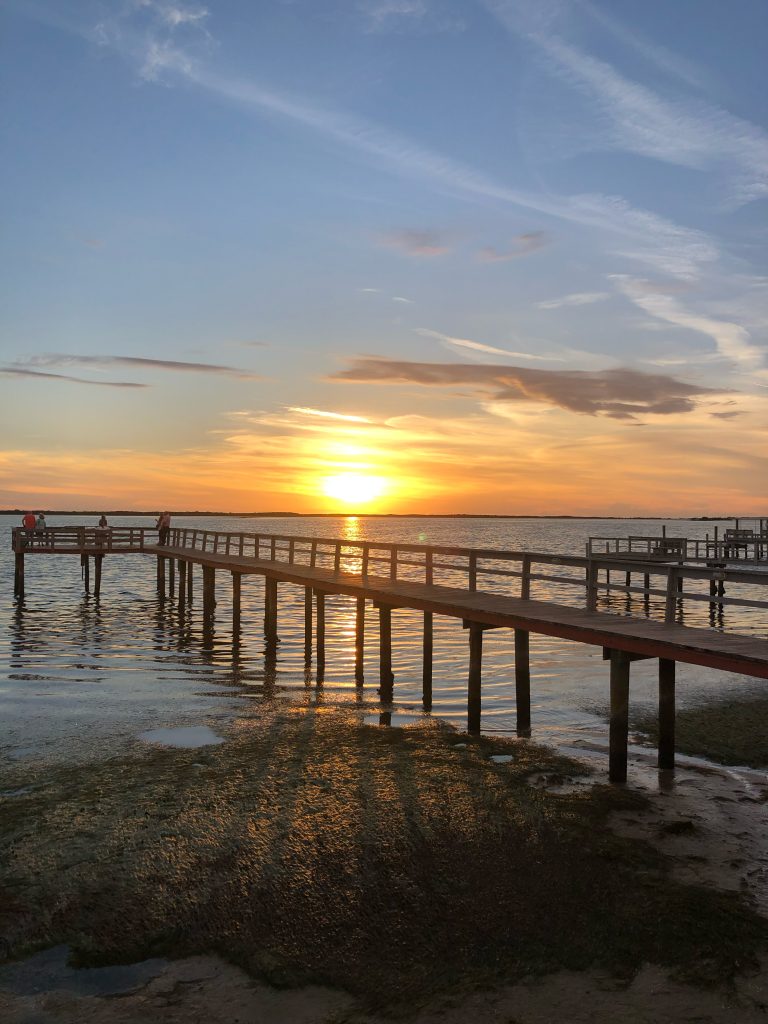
[[219, 214]]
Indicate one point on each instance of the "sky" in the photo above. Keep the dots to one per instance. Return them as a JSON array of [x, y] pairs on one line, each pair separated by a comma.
[[429, 256]]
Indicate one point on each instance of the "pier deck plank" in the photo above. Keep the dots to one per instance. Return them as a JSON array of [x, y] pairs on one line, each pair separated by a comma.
[[727, 651]]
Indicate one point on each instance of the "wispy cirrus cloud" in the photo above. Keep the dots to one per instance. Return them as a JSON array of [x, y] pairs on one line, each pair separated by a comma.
[[672, 64], [409, 16], [646, 236], [640, 120], [20, 371], [63, 359], [479, 347], [620, 394], [574, 299], [732, 340]]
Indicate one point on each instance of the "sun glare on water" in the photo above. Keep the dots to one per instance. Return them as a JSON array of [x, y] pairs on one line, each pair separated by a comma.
[[354, 488]]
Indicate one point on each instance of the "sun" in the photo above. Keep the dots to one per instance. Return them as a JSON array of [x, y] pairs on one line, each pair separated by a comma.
[[354, 488]]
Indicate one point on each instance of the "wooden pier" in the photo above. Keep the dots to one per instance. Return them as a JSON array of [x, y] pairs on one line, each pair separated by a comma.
[[484, 588]]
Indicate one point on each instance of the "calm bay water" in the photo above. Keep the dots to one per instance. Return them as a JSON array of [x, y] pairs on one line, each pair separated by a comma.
[[80, 678]]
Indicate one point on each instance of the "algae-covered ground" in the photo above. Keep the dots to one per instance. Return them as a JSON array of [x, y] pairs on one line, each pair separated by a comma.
[[394, 864], [730, 731]]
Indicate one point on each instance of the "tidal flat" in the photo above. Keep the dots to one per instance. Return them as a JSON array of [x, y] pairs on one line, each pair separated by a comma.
[[732, 731], [396, 866]]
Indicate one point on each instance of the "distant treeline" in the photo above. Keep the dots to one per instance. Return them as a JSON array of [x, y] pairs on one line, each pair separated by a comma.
[[359, 515]]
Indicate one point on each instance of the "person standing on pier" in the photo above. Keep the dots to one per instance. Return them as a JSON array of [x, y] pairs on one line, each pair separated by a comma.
[[29, 522], [164, 527]]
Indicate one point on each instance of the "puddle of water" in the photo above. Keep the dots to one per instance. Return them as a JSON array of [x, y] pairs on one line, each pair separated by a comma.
[[393, 719], [49, 970], [502, 758], [189, 737]]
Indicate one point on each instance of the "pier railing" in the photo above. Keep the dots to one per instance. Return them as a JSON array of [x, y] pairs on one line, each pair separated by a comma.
[[745, 545], [493, 571], [73, 539], [663, 580]]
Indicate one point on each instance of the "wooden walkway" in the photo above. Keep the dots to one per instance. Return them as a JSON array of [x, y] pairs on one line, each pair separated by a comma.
[[325, 566]]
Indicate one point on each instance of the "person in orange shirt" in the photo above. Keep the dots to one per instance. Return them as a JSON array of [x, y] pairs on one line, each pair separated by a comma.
[[28, 522]]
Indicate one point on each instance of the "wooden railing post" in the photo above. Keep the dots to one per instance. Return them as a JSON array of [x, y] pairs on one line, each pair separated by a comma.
[[337, 556], [393, 563], [525, 579], [364, 563], [428, 568], [472, 572], [313, 554]]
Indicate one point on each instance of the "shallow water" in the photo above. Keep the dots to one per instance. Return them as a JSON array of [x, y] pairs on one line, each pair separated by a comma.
[[80, 677]]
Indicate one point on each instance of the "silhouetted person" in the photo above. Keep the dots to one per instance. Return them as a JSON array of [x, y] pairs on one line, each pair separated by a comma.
[[164, 527], [103, 524]]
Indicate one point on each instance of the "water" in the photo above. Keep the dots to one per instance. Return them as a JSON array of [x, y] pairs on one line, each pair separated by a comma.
[[81, 678]]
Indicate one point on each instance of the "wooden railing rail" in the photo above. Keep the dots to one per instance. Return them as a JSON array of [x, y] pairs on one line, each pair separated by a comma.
[[477, 568]]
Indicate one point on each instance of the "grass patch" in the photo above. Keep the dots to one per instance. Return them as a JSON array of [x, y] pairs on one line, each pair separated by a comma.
[[733, 732], [311, 848]]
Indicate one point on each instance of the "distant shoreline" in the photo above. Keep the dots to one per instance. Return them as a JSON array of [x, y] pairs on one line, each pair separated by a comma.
[[367, 515]]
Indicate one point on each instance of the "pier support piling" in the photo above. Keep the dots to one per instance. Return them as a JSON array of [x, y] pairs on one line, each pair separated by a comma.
[[171, 577], [523, 681], [97, 561], [426, 661], [307, 624], [619, 723], [386, 678], [475, 678], [189, 582], [320, 629], [161, 577], [666, 713], [270, 610], [18, 575], [209, 593], [359, 640], [86, 570], [236, 581]]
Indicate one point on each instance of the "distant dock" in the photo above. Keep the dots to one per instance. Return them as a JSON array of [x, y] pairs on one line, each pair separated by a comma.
[[471, 584]]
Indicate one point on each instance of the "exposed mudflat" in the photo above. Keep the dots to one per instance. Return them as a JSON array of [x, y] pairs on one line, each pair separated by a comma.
[[312, 868]]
